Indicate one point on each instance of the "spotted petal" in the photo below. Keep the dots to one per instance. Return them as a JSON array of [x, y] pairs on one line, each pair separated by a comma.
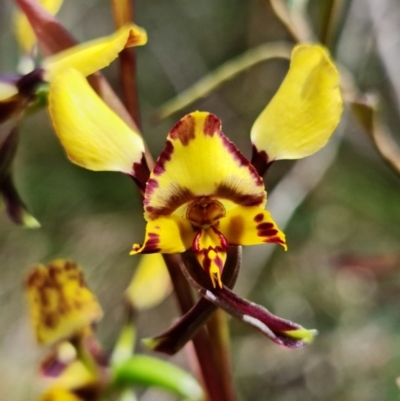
[[60, 303], [198, 160], [304, 112], [93, 136], [94, 55], [166, 235], [250, 226]]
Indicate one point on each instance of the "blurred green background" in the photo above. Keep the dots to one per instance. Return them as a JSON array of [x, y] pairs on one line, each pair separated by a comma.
[[341, 274]]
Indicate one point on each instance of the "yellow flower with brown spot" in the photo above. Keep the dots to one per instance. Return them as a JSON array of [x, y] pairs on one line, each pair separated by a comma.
[[204, 195], [60, 303]]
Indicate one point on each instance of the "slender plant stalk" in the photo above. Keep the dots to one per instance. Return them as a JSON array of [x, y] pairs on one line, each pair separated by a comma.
[[123, 14], [218, 332], [207, 351]]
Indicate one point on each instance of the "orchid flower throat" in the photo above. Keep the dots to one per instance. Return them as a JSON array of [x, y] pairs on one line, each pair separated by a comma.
[[204, 195]]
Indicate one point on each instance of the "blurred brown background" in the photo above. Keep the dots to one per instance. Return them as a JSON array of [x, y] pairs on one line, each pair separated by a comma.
[[341, 274]]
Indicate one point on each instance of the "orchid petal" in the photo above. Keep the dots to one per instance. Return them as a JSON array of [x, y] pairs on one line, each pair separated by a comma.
[[93, 136], [250, 226], [60, 303], [281, 331], [166, 235], [94, 55], [199, 160], [304, 112], [151, 283]]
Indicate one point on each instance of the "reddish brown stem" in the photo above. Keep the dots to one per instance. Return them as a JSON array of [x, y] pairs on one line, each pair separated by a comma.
[[123, 14]]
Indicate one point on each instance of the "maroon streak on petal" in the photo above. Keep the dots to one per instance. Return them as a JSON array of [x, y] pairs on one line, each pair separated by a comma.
[[165, 156], [179, 196], [244, 199], [212, 124], [259, 160], [151, 245], [184, 130], [242, 160], [141, 173]]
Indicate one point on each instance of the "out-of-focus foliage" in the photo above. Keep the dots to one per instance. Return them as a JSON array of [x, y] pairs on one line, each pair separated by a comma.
[[342, 272]]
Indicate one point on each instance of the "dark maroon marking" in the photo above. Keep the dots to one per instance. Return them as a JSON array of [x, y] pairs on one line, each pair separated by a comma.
[[276, 240], [259, 217], [195, 244], [151, 245], [224, 241], [28, 83], [206, 262], [212, 124], [151, 185], [180, 196], [267, 233], [241, 160], [226, 192], [141, 173], [265, 226], [164, 157], [260, 161], [184, 130]]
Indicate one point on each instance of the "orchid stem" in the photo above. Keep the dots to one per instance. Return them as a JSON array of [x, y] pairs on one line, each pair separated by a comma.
[[218, 331], [213, 381], [123, 14]]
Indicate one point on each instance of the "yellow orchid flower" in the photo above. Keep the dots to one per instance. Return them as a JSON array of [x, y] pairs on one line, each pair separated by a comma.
[[204, 195], [61, 306]]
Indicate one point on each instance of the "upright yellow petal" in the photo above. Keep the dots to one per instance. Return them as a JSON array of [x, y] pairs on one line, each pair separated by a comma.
[[25, 35], [60, 303], [199, 161], [304, 112], [150, 284], [93, 136], [94, 55]]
